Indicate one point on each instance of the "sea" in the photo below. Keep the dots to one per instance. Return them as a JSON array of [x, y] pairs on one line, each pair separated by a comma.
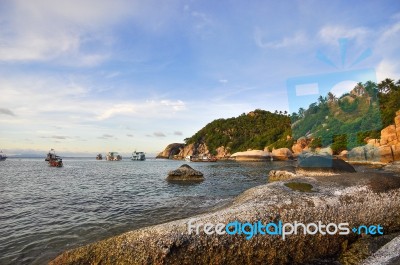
[[45, 210]]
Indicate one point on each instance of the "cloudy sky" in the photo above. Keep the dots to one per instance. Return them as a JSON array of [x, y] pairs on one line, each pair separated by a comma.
[[89, 76]]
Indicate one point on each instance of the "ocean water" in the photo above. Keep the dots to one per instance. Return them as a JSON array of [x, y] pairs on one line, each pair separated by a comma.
[[46, 210]]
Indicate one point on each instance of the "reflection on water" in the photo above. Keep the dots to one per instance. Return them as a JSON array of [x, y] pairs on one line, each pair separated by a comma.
[[45, 210]]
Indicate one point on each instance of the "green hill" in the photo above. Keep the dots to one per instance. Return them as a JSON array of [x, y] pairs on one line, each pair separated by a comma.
[[344, 122], [254, 130], [340, 122]]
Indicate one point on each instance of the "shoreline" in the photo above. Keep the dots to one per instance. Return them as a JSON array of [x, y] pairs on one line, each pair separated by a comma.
[[169, 243]]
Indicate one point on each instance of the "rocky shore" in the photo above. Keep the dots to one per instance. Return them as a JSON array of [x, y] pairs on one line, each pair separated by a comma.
[[356, 198]]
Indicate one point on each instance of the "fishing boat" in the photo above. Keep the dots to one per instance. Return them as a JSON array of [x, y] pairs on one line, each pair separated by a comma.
[[113, 156], [2, 156], [138, 156], [53, 159], [99, 157], [202, 158]]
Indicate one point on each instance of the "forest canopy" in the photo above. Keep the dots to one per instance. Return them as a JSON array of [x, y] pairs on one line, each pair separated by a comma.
[[339, 121]]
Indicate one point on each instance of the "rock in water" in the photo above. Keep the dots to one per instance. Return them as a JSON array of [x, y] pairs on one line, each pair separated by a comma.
[[185, 173], [325, 164]]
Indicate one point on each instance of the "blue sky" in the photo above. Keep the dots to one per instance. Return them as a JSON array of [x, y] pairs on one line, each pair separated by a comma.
[[89, 76]]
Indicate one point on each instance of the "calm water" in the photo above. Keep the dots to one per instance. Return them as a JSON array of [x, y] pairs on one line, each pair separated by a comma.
[[44, 210]]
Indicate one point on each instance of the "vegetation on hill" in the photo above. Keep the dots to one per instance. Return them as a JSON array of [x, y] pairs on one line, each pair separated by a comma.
[[254, 130], [340, 122], [345, 122]]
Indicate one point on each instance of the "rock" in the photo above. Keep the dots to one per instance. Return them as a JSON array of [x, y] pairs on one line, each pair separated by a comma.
[[365, 247], [388, 135], [185, 173], [396, 152], [171, 150], [301, 145], [357, 154], [324, 164], [393, 167], [284, 173], [254, 155], [282, 154], [222, 152], [171, 243], [385, 154], [327, 151], [397, 119], [344, 154], [388, 254], [373, 142]]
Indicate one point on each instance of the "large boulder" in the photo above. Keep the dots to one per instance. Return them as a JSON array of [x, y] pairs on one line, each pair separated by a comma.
[[396, 152], [282, 154], [171, 150], [222, 152], [386, 154], [301, 145], [185, 173], [388, 135], [172, 243], [325, 164], [283, 173], [253, 155], [327, 151], [344, 155]]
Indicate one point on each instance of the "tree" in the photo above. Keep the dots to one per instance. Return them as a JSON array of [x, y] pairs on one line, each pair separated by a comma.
[[386, 86], [301, 112], [331, 97]]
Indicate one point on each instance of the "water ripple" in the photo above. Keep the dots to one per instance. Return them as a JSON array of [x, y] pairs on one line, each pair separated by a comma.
[[44, 210]]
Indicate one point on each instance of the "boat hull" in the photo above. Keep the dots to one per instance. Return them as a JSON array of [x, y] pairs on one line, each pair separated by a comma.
[[55, 163]]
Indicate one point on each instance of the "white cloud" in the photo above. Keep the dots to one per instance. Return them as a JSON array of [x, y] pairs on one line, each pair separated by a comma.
[[388, 69], [176, 105], [117, 109], [150, 108], [299, 38], [332, 33], [46, 30]]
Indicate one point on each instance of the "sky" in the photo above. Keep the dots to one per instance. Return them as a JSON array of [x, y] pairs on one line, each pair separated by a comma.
[[92, 76]]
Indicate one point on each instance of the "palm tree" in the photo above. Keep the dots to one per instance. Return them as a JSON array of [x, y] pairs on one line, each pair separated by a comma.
[[386, 86], [331, 97], [301, 112]]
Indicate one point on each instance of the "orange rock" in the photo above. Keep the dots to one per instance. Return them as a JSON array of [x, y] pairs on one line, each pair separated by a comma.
[[388, 135], [385, 154], [397, 121], [282, 154], [373, 142], [344, 154], [396, 151]]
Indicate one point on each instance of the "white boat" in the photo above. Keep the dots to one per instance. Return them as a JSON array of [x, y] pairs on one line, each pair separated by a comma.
[[200, 158], [2, 156], [138, 156], [113, 156]]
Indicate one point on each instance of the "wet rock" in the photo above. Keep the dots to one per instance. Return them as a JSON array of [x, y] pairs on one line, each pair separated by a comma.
[[171, 243], [185, 173], [283, 173], [324, 164]]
